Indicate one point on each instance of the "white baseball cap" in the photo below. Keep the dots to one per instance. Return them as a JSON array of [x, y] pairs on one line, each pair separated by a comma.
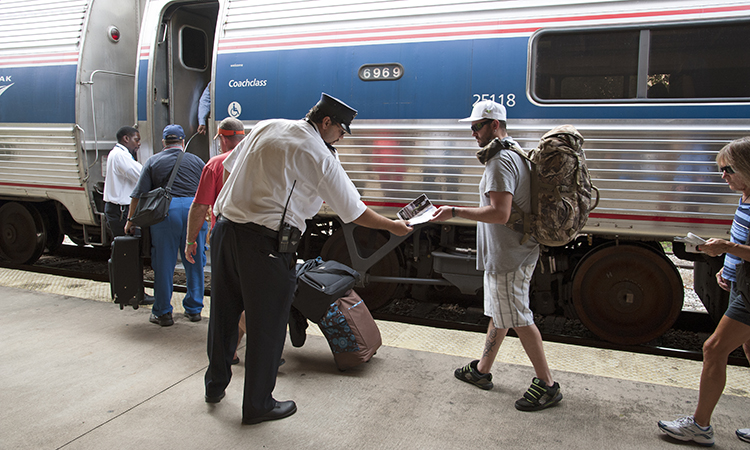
[[486, 109]]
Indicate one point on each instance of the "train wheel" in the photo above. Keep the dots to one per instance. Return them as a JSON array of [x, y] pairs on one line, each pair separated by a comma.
[[375, 295], [627, 294], [22, 233]]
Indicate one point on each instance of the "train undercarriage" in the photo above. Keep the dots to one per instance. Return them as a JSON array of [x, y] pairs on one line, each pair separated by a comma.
[[28, 228], [625, 291]]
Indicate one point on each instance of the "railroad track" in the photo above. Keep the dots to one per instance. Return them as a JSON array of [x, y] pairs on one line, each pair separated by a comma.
[[91, 264]]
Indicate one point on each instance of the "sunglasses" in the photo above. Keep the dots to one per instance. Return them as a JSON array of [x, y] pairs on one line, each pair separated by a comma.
[[727, 169], [478, 126]]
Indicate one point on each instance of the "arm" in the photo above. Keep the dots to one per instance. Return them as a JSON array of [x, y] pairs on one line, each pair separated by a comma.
[[716, 247], [131, 169], [204, 107], [130, 225], [498, 211], [721, 281], [196, 217], [371, 219]]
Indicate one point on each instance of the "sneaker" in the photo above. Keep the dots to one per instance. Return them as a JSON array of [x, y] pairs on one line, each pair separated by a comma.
[[164, 320], [193, 317], [470, 374], [743, 434], [539, 396], [685, 429], [148, 299]]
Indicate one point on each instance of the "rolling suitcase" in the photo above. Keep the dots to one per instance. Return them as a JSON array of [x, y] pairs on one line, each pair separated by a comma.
[[126, 271], [351, 331]]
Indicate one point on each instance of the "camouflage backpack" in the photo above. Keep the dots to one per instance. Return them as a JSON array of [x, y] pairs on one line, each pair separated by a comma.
[[560, 189]]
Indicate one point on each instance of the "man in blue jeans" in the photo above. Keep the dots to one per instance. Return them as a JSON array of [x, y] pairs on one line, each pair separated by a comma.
[[168, 236]]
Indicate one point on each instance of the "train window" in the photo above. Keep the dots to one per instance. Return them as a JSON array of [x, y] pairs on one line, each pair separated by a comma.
[[700, 62], [674, 63], [193, 48], [594, 65]]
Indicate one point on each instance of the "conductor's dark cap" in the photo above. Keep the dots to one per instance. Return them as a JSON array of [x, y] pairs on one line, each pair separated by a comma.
[[172, 132], [337, 110]]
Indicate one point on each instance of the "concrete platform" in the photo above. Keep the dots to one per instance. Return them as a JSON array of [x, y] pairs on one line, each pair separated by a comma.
[[78, 373]]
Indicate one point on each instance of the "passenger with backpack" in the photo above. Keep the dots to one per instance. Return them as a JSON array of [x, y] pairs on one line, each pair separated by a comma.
[[506, 256]]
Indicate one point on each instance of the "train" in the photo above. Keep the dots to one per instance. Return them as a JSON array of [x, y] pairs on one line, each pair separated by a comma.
[[656, 88]]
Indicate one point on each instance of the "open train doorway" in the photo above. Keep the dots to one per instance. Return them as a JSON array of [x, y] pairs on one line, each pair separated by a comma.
[[182, 66]]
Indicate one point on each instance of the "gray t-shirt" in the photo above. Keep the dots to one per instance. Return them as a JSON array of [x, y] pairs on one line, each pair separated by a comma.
[[499, 248]]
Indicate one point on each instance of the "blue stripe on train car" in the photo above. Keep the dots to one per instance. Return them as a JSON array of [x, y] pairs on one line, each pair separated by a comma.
[[39, 95], [142, 90], [441, 81], [437, 81]]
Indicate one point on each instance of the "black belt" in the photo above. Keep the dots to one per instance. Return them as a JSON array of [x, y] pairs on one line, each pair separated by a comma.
[[265, 231], [118, 205]]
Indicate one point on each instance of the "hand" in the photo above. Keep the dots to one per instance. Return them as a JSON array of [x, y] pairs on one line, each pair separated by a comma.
[[201, 129], [442, 214], [713, 247], [129, 227], [190, 251], [401, 228], [722, 282]]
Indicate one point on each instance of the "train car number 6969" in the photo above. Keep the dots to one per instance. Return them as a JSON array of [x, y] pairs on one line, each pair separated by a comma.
[[381, 72]]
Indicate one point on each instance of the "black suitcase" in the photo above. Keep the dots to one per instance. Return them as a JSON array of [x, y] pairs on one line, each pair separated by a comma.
[[126, 271]]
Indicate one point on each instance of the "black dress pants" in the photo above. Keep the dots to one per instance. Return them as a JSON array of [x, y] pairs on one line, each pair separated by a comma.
[[248, 273]]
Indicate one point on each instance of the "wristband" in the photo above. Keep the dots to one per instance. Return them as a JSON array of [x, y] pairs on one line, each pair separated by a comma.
[[190, 243], [453, 212]]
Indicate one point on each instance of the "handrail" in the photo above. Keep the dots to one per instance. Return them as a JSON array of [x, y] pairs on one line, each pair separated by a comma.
[[93, 110]]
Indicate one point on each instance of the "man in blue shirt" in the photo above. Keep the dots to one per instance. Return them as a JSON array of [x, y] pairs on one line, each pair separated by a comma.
[[169, 235]]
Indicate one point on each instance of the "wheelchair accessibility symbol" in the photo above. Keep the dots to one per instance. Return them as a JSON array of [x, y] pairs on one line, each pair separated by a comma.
[[234, 109]]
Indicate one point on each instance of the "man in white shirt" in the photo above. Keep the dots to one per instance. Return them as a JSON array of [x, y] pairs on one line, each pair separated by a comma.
[[281, 162], [123, 172]]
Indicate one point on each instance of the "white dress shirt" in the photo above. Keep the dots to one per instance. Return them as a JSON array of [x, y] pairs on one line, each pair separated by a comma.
[[122, 174], [265, 165]]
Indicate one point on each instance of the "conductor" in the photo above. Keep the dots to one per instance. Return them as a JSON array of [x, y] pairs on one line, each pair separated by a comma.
[[280, 175]]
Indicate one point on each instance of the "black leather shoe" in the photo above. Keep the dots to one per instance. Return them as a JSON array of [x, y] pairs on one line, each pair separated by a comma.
[[216, 399], [164, 320], [193, 317], [148, 299], [280, 411]]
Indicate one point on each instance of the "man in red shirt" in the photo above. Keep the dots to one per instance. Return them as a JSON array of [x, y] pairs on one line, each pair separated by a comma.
[[231, 131]]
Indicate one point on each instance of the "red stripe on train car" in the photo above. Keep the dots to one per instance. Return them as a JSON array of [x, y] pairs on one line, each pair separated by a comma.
[[638, 217], [44, 186]]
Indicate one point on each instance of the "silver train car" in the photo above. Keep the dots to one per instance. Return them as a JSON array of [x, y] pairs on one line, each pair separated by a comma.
[[67, 76], [656, 88]]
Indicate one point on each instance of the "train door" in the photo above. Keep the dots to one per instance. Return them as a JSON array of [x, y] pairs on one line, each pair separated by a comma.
[[182, 70]]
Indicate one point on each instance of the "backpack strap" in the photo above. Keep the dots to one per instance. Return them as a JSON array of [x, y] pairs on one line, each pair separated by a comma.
[[517, 214], [173, 175]]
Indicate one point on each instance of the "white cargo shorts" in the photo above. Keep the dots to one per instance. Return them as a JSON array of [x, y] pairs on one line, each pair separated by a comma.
[[506, 297]]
